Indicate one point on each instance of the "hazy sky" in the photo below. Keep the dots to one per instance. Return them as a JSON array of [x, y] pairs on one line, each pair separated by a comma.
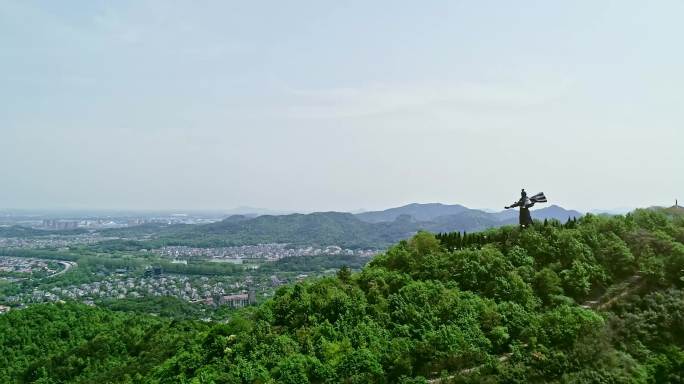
[[340, 105]]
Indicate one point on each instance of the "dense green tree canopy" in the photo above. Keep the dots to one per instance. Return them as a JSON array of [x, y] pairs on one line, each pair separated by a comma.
[[596, 300]]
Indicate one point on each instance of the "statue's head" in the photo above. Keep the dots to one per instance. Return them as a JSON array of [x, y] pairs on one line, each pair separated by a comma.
[[523, 193]]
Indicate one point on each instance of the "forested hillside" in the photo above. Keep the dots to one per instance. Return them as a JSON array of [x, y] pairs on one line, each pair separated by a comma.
[[377, 230], [595, 300]]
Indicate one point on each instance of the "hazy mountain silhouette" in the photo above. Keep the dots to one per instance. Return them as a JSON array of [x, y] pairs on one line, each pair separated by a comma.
[[368, 229], [421, 212], [442, 213]]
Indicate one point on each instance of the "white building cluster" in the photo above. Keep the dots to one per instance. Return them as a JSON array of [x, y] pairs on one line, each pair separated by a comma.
[[120, 288], [267, 252]]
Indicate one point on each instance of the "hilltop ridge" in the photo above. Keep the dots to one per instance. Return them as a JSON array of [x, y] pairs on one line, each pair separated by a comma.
[[504, 305], [370, 229], [375, 229]]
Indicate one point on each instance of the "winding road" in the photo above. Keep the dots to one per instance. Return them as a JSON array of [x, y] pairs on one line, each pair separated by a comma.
[[67, 266]]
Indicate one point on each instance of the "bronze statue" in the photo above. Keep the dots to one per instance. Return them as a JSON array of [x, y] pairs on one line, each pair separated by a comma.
[[525, 203]]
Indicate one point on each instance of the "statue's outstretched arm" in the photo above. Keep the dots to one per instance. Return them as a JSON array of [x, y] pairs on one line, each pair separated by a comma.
[[516, 204]]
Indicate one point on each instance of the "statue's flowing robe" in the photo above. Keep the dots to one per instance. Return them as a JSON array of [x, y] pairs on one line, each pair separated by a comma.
[[538, 198], [525, 216]]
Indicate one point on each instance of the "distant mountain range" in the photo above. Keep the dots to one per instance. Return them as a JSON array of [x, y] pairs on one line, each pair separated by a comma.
[[253, 212], [444, 213], [376, 229], [420, 212]]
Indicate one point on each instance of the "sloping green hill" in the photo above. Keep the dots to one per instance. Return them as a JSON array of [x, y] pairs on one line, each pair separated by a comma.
[[420, 212], [343, 229], [367, 230], [323, 228], [505, 305]]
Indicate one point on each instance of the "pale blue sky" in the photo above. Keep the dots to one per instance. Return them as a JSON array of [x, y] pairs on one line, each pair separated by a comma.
[[339, 105]]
